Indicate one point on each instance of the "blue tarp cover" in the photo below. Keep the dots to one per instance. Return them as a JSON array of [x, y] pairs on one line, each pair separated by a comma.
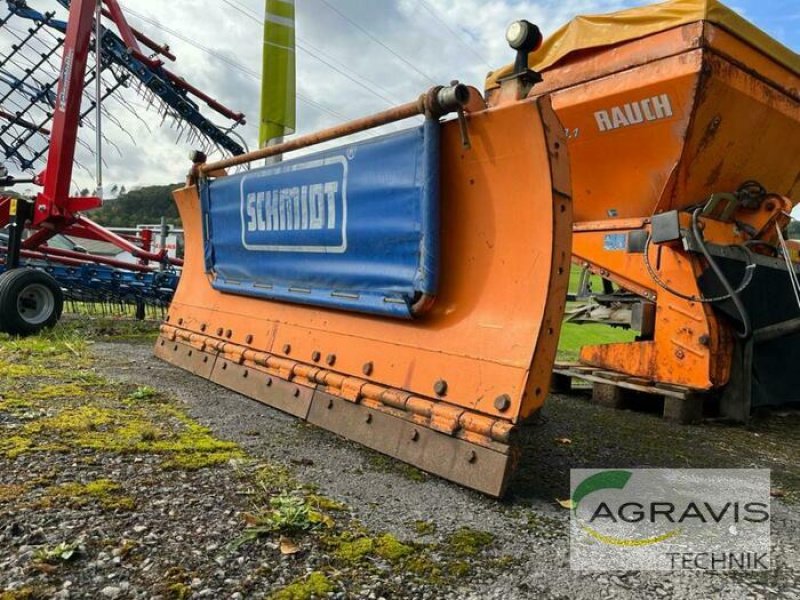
[[353, 228]]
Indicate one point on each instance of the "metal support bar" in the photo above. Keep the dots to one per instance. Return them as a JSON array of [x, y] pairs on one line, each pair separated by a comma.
[[120, 242], [19, 121], [31, 34], [776, 331], [30, 71], [98, 81], [52, 200], [20, 211], [122, 24], [162, 49], [736, 399], [166, 86], [77, 259], [437, 102]]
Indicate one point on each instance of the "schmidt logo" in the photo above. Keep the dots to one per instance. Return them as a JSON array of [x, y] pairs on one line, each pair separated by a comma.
[[296, 207]]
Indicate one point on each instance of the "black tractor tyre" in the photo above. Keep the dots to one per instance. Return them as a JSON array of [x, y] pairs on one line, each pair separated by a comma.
[[30, 301]]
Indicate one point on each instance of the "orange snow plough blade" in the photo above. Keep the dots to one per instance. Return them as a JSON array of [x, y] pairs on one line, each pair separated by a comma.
[[439, 379]]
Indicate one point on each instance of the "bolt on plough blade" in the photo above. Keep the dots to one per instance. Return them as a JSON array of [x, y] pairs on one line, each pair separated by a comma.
[[444, 390]]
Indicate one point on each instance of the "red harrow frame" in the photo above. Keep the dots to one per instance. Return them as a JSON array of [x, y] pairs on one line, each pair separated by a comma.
[[32, 222]]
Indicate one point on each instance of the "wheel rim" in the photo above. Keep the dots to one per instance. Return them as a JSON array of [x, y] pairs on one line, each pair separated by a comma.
[[35, 303]]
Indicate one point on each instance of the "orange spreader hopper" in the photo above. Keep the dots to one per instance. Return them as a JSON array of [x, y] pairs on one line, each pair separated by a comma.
[[665, 106]]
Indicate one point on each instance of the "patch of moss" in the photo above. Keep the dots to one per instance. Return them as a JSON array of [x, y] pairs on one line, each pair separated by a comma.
[[354, 550], [26, 593], [424, 527], [424, 567], [14, 403], [126, 548], [123, 430], [73, 420], [175, 583], [459, 569], [351, 549], [144, 392], [11, 492], [412, 473], [15, 445], [315, 586], [274, 478], [19, 371], [193, 446], [466, 542], [103, 491], [57, 390], [325, 503], [433, 564], [390, 548], [201, 460], [501, 562], [179, 591], [80, 409]]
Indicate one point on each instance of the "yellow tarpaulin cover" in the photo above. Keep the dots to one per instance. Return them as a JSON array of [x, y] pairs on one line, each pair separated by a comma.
[[596, 31]]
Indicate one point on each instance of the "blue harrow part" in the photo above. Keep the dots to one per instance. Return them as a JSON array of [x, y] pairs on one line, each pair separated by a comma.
[[100, 289]]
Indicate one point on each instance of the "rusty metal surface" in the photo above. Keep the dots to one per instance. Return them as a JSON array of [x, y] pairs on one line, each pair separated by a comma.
[[402, 434], [185, 356], [261, 375], [404, 111], [483, 469], [288, 397], [505, 250], [437, 101], [469, 371], [727, 113]]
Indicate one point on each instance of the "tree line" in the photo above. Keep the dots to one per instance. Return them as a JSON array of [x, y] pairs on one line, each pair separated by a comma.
[[142, 205]]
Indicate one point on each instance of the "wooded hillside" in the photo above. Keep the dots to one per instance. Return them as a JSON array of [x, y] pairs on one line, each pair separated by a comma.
[[143, 205]]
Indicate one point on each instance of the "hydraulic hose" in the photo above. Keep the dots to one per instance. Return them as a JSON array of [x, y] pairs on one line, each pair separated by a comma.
[[746, 280], [747, 330], [730, 292]]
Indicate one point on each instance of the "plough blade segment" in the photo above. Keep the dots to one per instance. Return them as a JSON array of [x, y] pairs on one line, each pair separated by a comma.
[[443, 390]]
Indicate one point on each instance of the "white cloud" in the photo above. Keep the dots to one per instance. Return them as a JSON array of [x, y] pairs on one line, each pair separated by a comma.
[[443, 39]]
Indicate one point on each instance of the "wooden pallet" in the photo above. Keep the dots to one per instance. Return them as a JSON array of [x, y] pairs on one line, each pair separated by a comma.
[[618, 390]]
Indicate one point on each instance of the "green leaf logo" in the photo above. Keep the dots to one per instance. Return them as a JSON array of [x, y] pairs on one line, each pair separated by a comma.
[[612, 480]]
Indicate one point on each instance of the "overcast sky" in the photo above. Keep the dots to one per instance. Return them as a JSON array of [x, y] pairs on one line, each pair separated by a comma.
[[428, 41]]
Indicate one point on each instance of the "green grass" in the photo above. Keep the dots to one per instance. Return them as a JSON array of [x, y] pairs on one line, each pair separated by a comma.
[[574, 280], [573, 336]]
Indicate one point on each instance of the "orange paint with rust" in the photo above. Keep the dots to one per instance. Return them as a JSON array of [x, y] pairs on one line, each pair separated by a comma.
[[661, 123], [493, 330]]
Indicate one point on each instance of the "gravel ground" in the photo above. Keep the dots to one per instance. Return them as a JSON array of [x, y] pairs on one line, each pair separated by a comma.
[[166, 533], [528, 526]]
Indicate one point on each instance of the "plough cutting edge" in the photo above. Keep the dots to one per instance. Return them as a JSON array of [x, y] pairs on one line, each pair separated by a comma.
[[303, 281]]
